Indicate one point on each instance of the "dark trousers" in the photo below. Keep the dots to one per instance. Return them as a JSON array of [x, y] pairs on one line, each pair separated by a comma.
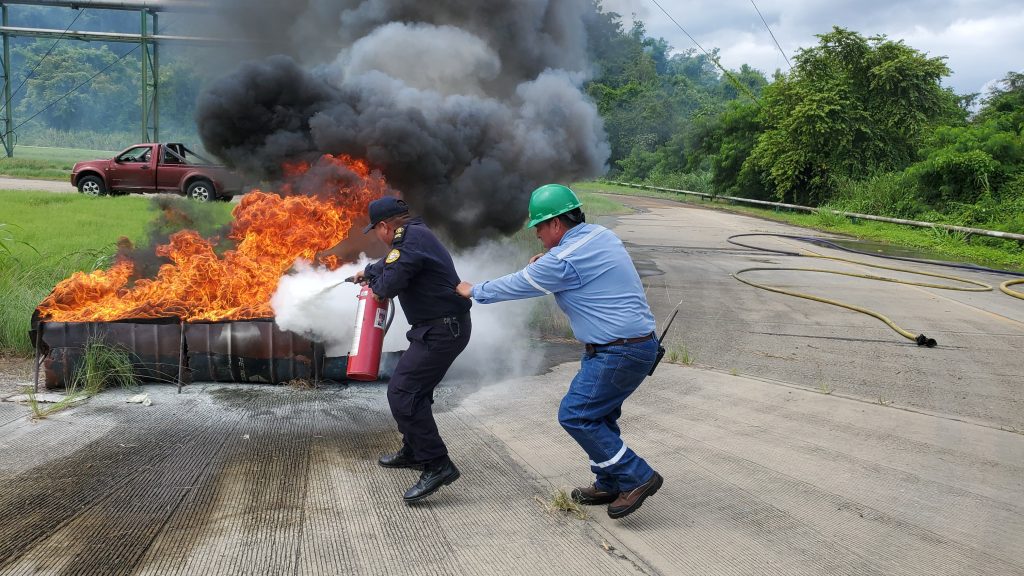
[[432, 349]]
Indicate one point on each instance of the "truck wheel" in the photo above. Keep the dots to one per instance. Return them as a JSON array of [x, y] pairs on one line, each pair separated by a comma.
[[201, 191], [92, 185]]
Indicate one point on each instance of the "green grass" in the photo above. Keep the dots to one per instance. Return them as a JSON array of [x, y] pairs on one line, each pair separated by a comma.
[[43, 163], [950, 246], [71, 155], [596, 206], [680, 354], [45, 237]]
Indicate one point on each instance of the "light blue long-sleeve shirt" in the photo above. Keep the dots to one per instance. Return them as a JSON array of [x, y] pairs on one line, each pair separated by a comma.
[[593, 280]]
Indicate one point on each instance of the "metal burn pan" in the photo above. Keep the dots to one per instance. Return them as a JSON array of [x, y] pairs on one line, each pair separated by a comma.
[[154, 347], [254, 351]]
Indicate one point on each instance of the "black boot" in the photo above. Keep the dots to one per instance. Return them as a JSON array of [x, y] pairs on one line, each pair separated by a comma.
[[433, 477], [401, 459]]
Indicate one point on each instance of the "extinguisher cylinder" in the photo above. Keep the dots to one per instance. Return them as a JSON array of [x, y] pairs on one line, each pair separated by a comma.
[[368, 337]]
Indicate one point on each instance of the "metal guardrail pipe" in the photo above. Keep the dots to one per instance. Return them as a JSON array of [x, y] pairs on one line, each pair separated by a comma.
[[113, 36], [918, 223], [148, 5]]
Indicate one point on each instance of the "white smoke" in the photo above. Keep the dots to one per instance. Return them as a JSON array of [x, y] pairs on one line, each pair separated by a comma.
[[318, 304]]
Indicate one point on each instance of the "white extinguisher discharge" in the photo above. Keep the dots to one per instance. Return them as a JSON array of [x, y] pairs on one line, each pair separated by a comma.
[[368, 338]]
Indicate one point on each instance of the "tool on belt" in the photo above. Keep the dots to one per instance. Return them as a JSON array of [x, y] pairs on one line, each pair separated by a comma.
[[661, 349]]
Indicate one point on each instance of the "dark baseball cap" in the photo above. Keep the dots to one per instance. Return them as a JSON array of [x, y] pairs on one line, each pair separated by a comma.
[[383, 208]]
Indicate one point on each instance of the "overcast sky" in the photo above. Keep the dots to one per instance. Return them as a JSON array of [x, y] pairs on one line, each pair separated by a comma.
[[982, 39]]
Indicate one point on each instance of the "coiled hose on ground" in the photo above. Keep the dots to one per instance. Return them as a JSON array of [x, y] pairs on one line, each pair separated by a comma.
[[920, 339]]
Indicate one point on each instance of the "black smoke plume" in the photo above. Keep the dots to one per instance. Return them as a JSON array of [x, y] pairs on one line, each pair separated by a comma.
[[465, 106]]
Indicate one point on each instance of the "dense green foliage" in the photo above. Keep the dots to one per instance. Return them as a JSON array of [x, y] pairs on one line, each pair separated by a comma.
[[859, 123]]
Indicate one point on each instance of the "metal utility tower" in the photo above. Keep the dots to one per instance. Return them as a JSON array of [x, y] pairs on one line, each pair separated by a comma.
[[148, 39]]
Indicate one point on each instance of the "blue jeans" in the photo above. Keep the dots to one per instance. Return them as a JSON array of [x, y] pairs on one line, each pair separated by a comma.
[[591, 408]]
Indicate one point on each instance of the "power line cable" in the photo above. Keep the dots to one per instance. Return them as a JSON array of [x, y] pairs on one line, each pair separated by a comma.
[[73, 90], [41, 60], [772, 34], [732, 78]]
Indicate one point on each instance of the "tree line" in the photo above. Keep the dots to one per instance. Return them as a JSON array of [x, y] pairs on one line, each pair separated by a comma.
[[858, 124]]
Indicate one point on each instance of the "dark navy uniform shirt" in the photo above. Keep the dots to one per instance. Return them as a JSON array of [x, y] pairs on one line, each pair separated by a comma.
[[419, 270]]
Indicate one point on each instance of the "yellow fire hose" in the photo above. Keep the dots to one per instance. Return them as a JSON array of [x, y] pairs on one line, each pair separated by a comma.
[[920, 339], [1005, 287]]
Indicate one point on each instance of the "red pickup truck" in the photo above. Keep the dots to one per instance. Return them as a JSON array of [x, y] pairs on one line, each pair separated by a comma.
[[148, 168]]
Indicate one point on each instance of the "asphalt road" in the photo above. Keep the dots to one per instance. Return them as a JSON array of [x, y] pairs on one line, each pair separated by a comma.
[[802, 440]]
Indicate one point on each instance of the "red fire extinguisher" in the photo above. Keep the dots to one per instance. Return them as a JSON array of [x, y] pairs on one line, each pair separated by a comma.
[[372, 322]]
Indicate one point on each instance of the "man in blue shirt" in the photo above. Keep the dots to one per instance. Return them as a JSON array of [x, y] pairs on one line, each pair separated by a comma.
[[420, 272], [594, 282]]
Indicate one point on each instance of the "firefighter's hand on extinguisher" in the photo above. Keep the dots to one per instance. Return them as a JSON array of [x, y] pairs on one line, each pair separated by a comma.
[[465, 289], [357, 278]]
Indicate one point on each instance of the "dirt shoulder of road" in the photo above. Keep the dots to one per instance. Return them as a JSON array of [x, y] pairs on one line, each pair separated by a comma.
[[8, 183], [15, 374]]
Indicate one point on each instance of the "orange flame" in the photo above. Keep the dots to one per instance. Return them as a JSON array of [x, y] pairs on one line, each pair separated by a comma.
[[271, 232]]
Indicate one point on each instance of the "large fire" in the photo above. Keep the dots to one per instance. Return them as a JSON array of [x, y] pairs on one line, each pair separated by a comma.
[[271, 232]]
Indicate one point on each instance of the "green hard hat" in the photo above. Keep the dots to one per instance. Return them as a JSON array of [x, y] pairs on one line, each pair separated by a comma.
[[549, 201]]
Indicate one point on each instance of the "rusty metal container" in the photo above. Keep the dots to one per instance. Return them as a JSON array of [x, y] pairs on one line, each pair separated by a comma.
[[254, 351], [153, 345]]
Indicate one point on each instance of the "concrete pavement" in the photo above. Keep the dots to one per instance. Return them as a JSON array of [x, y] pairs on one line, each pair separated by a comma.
[[760, 479]]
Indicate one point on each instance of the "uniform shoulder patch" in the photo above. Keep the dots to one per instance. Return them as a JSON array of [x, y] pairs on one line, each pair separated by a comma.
[[399, 236], [392, 256]]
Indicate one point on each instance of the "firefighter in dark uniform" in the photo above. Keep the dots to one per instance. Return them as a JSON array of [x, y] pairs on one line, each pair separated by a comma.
[[419, 271]]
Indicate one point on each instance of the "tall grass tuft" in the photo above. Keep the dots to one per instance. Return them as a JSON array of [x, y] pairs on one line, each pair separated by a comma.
[[561, 501], [828, 218], [101, 366], [691, 181], [889, 194]]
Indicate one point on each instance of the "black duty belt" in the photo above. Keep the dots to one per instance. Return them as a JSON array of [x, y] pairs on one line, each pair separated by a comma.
[[442, 321], [592, 348]]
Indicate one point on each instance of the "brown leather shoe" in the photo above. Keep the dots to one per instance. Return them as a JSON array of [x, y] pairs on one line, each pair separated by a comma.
[[592, 496], [628, 502]]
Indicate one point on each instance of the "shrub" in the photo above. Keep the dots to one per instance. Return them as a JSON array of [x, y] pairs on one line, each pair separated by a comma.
[[950, 176], [892, 194]]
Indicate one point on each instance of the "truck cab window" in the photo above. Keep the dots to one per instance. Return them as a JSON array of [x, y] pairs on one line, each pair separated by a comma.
[[138, 154]]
